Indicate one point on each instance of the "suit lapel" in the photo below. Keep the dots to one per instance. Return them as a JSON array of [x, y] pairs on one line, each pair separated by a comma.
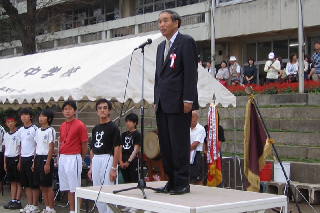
[[161, 48], [172, 50]]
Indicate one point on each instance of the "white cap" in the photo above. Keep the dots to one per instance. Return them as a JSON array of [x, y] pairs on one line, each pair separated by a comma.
[[233, 58], [271, 55]]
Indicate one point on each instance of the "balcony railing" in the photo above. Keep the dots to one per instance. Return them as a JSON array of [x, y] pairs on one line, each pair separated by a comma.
[[228, 2]]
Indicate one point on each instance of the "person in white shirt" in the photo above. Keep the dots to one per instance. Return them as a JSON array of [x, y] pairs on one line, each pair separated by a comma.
[[11, 162], [234, 72], [197, 135], [272, 68], [2, 172], [28, 144], [292, 68], [208, 67], [43, 162]]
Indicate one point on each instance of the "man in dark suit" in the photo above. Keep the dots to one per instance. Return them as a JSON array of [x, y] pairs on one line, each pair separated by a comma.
[[175, 96]]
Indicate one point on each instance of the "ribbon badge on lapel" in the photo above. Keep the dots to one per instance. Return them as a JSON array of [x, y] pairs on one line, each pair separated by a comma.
[[172, 57]]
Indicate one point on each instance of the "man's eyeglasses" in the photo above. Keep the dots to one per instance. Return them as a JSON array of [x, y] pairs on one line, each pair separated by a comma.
[[100, 108]]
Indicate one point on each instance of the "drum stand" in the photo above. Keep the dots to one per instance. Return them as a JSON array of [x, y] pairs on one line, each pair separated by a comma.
[[141, 183]]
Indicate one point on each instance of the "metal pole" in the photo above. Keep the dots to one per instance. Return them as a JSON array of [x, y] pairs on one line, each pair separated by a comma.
[[234, 148], [213, 38], [301, 50], [277, 155]]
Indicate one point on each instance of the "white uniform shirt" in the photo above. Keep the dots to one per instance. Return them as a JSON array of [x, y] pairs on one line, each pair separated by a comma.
[[198, 134], [43, 139], [28, 144], [11, 143], [2, 132]]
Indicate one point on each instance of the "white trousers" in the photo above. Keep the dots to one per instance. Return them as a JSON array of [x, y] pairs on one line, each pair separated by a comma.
[[69, 170], [101, 167]]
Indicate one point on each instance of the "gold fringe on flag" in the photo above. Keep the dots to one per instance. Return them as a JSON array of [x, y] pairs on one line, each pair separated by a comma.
[[253, 178]]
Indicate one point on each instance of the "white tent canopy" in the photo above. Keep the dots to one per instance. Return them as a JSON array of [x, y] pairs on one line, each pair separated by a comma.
[[91, 72]]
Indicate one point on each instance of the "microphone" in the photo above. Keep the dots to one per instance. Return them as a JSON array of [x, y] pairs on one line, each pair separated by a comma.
[[149, 41]]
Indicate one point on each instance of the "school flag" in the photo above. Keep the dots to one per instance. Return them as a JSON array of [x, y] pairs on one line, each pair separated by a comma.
[[213, 154], [257, 146]]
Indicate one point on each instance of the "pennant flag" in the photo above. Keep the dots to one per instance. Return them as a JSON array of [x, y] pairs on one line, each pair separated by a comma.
[[257, 146], [213, 154]]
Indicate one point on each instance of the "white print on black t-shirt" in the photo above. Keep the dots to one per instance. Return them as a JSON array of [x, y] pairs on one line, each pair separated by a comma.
[[98, 139], [127, 141]]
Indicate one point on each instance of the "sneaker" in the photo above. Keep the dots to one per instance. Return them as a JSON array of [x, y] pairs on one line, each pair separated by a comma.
[[15, 205], [25, 208], [126, 209], [133, 210], [44, 211], [7, 206], [51, 211], [33, 209]]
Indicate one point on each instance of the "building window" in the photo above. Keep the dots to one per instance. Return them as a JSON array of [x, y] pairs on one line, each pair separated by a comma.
[[280, 48], [45, 45], [251, 52], [149, 26], [185, 20], [122, 31], [88, 14], [264, 48], [68, 41], [6, 52], [228, 2], [149, 6], [294, 46], [92, 37], [193, 19]]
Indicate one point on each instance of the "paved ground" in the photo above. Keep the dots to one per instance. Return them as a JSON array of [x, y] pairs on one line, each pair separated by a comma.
[[6, 198]]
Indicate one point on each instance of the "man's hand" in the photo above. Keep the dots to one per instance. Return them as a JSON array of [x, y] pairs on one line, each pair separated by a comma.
[[5, 167], [32, 167], [154, 107], [113, 175], [18, 166], [90, 173], [46, 168], [187, 107]]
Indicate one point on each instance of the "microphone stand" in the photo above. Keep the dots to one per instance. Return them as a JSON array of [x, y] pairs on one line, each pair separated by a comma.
[[141, 182], [250, 91]]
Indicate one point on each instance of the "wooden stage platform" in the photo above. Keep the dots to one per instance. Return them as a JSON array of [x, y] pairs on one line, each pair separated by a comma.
[[202, 199]]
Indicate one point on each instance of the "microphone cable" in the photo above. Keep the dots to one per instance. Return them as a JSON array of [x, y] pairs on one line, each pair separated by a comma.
[[119, 122], [125, 90]]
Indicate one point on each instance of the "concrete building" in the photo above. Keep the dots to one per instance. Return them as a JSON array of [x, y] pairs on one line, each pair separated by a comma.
[[243, 28]]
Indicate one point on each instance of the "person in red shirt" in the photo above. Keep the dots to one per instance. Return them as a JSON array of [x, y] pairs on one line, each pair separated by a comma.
[[73, 149]]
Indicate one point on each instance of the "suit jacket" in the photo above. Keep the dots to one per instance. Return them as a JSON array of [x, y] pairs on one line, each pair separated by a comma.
[[172, 86]]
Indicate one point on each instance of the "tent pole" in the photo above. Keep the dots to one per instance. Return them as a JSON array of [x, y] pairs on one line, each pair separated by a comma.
[[84, 107], [77, 113], [234, 148]]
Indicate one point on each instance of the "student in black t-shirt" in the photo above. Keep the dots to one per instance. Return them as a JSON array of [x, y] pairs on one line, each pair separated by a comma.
[[128, 159], [105, 150], [130, 146]]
